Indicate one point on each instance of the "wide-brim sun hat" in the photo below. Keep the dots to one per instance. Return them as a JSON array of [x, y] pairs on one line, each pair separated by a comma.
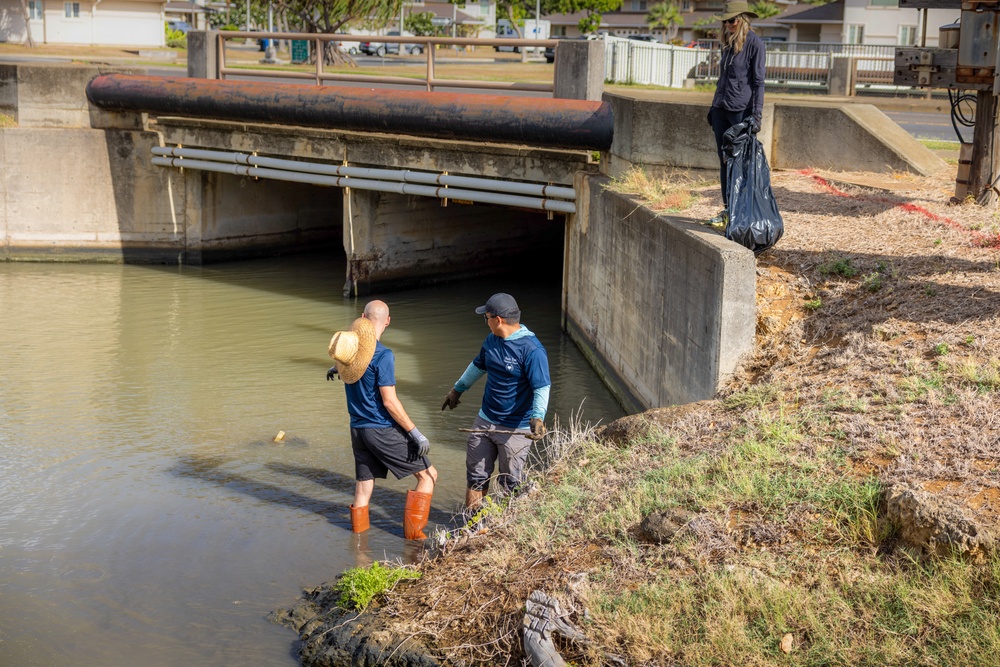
[[352, 350], [733, 9]]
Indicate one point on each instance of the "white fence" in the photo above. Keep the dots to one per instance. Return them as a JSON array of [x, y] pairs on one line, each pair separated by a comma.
[[630, 61], [789, 65]]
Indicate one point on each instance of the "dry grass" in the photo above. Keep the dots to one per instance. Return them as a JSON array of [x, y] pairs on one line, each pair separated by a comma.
[[878, 361]]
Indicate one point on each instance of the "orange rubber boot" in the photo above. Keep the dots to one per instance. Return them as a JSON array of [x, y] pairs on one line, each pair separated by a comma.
[[418, 509], [359, 519]]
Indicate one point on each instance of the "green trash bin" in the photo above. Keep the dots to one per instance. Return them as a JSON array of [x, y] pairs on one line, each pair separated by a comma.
[[300, 51]]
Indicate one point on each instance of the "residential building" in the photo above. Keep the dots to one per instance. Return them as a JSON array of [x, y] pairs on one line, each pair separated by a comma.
[[866, 22], [90, 22]]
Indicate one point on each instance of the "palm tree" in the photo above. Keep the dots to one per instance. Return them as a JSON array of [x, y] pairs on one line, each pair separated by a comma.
[[665, 15], [764, 9]]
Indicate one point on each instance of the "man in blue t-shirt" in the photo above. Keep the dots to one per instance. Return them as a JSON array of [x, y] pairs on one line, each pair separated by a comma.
[[382, 435], [516, 367]]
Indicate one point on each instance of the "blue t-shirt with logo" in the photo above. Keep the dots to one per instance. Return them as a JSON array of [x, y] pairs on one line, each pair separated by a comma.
[[515, 366], [364, 400]]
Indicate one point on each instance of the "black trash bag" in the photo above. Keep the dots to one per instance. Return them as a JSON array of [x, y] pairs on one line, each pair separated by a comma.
[[754, 220]]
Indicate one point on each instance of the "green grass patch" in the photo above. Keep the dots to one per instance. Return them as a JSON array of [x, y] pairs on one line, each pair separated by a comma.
[[840, 266], [938, 145], [359, 586], [7, 121]]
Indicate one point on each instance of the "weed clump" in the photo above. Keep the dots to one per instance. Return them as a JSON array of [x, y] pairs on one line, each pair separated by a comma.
[[359, 586]]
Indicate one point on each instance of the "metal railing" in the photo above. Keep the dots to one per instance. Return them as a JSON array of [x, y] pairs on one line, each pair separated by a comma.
[[429, 81], [790, 65]]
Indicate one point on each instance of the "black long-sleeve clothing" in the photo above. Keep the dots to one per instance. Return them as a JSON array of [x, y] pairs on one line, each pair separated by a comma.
[[741, 78]]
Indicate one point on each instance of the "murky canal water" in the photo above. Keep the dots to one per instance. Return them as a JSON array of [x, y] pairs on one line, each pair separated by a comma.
[[146, 515]]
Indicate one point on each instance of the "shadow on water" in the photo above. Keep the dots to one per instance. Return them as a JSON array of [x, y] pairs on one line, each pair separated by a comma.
[[386, 504], [382, 498]]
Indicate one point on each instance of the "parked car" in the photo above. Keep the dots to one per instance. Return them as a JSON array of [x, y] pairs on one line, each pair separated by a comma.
[[348, 47], [382, 48], [182, 26], [643, 38], [550, 51]]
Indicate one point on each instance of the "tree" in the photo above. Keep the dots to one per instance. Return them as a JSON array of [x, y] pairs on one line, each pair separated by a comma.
[[329, 16], [517, 10], [28, 41], [764, 9], [594, 8], [420, 24], [666, 16]]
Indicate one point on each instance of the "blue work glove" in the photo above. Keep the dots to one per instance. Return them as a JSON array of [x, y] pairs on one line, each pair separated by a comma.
[[421, 441], [754, 124], [332, 374]]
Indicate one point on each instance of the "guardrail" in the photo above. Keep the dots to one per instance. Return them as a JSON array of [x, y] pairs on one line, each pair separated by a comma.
[[790, 65], [429, 81]]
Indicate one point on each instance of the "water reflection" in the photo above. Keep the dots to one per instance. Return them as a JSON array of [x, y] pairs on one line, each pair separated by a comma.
[[149, 516]]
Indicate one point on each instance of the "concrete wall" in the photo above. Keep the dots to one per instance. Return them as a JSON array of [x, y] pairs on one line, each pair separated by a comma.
[[847, 137], [662, 134], [76, 194], [77, 183], [665, 309]]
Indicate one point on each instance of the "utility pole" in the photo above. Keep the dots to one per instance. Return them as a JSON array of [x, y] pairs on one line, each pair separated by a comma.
[[971, 63], [984, 173]]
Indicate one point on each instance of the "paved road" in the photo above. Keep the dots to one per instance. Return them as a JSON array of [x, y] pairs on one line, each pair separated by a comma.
[[927, 125]]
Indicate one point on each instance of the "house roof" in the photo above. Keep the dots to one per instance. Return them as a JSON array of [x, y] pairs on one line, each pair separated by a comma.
[[178, 7], [638, 19], [829, 13], [444, 10]]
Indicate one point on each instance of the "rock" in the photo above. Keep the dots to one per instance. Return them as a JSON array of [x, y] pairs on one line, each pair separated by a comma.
[[660, 526], [332, 637], [637, 427], [935, 526]]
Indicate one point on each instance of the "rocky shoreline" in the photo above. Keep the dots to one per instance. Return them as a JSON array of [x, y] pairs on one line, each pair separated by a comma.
[[330, 636]]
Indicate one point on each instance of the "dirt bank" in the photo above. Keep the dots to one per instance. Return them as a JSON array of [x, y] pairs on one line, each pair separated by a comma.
[[875, 385]]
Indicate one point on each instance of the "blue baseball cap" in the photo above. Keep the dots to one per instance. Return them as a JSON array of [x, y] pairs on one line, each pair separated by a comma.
[[500, 304]]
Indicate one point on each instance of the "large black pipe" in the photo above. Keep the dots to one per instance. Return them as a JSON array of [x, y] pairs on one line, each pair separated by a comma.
[[532, 121]]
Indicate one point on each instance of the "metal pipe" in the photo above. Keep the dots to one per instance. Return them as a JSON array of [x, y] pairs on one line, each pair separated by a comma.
[[405, 175], [479, 196], [552, 123]]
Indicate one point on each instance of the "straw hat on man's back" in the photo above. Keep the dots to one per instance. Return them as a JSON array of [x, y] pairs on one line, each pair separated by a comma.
[[734, 9], [352, 350]]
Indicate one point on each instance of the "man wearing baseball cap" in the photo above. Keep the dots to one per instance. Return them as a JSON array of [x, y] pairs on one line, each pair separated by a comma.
[[516, 367], [383, 436]]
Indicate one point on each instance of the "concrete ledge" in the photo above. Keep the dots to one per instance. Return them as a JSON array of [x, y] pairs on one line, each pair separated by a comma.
[[667, 306], [846, 137], [54, 95], [662, 134]]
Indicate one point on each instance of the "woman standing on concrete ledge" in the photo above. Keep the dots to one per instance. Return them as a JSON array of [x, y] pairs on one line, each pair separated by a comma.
[[739, 94]]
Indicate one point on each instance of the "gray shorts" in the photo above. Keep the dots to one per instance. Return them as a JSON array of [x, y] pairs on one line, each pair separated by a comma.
[[483, 449], [378, 451]]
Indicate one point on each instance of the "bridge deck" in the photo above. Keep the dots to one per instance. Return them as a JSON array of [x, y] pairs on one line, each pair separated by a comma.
[[520, 163]]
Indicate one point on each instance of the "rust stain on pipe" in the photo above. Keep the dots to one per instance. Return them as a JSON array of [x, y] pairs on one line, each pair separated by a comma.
[[543, 122]]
